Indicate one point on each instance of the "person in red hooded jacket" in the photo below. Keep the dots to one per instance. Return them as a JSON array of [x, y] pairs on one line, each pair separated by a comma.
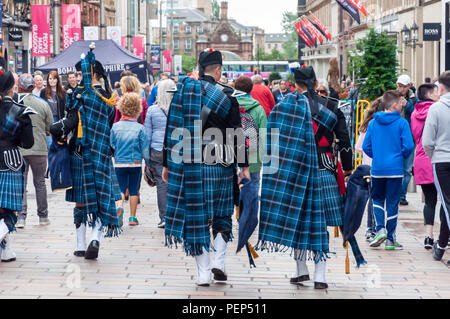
[[262, 94], [423, 170]]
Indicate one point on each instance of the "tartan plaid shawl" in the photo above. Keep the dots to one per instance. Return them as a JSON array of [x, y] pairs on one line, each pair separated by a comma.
[[186, 217], [292, 215], [99, 196]]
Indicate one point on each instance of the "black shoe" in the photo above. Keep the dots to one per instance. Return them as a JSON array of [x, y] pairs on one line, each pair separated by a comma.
[[299, 279], [320, 285], [219, 275], [79, 253], [403, 202], [428, 244], [438, 252], [92, 251]]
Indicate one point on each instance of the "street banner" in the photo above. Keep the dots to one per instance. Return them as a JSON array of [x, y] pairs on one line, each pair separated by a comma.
[[123, 41], [155, 60], [319, 26], [312, 29], [350, 8], [138, 47], [91, 33], [357, 4], [40, 30], [307, 33], [114, 33], [178, 64], [167, 54], [71, 24], [432, 32]]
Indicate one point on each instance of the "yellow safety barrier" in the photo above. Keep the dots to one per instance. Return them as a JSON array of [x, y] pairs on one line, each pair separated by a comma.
[[361, 108]]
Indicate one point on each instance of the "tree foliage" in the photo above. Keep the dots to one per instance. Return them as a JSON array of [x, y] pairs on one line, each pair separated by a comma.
[[290, 47], [275, 55], [375, 59], [189, 63], [215, 10], [274, 76]]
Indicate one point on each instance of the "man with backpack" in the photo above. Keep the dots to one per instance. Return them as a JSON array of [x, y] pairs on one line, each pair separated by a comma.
[[256, 113]]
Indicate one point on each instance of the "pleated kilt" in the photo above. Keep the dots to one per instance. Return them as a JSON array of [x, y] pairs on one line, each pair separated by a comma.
[[76, 194], [11, 190], [332, 199], [218, 190]]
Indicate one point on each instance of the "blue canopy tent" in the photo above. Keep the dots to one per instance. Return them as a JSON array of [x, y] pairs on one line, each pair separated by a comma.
[[114, 58]]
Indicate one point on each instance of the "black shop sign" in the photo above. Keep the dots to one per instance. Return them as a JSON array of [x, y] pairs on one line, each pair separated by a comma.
[[15, 36], [431, 31]]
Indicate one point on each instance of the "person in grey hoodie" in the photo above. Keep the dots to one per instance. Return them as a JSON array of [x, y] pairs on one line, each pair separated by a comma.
[[36, 157], [436, 143]]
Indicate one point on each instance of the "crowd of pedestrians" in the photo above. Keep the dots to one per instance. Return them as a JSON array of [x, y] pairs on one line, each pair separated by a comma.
[[404, 133]]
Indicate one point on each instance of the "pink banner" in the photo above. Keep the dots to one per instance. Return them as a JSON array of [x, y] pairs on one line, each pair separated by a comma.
[[40, 30], [124, 42], [167, 61], [138, 47], [71, 24]]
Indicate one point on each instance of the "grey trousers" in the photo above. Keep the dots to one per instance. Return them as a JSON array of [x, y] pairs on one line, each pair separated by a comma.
[[156, 163], [38, 164]]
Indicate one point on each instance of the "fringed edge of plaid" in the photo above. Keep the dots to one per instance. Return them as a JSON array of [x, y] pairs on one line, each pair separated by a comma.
[[301, 255], [191, 250], [108, 230]]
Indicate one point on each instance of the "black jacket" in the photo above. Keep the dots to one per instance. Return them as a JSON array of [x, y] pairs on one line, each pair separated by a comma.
[[339, 133], [61, 103], [233, 120]]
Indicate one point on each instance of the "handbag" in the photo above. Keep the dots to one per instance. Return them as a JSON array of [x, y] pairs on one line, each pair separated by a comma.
[[149, 176]]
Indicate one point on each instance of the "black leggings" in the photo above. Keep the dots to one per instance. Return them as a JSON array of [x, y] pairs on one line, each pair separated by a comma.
[[442, 181], [429, 210]]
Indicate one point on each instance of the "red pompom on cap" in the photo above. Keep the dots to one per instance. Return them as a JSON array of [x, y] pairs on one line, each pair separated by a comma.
[[211, 50], [2, 72], [304, 66]]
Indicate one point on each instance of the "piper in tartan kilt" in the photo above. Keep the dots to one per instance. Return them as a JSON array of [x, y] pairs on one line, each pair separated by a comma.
[[334, 133], [15, 131], [90, 116], [203, 186]]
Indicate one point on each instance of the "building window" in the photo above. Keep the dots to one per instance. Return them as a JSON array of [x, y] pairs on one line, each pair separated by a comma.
[[269, 46], [200, 29], [176, 28], [188, 29], [188, 44], [276, 45], [176, 44]]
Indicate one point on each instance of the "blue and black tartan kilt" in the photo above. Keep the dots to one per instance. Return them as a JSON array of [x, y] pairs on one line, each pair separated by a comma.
[[218, 190], [76, 194], [115, 184], [11, 190], [332, 199]]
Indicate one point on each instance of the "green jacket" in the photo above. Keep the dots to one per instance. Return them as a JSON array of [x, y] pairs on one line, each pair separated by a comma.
[[255, 109], [41, 124]]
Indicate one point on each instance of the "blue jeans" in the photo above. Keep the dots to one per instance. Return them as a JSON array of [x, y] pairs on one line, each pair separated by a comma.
[[129, 178], [256, 182], [386, 190], [370, 216], [407, 168]]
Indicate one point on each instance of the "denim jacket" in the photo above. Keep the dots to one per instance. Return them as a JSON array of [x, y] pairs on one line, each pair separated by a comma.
[[130, 143]]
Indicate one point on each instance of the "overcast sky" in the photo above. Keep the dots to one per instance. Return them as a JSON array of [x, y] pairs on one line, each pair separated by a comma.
[[266, 14]]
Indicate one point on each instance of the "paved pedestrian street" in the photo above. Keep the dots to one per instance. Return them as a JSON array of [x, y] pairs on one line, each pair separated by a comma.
[[138, 265]]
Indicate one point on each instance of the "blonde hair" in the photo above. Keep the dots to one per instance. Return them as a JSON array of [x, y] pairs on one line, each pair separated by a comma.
[[164, 99], [130, 104], [130, 84]]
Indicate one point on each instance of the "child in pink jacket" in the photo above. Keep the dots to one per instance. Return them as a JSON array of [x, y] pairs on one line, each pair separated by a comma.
[[423, 170]]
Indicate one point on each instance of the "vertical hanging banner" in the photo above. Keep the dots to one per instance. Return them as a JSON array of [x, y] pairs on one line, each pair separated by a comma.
[[167, 61], [155, 61], [351, 9], [319, 26], [123, 41], [178, 64], [40, 30], [71, 24], [138, 47], [115, 34], [91, 33]]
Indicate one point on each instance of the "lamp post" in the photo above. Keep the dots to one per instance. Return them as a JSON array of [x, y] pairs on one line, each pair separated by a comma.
[[410, 36], [301, 10]]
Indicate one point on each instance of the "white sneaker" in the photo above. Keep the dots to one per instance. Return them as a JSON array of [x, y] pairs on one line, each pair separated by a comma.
[[4, 230], [20, 223]]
